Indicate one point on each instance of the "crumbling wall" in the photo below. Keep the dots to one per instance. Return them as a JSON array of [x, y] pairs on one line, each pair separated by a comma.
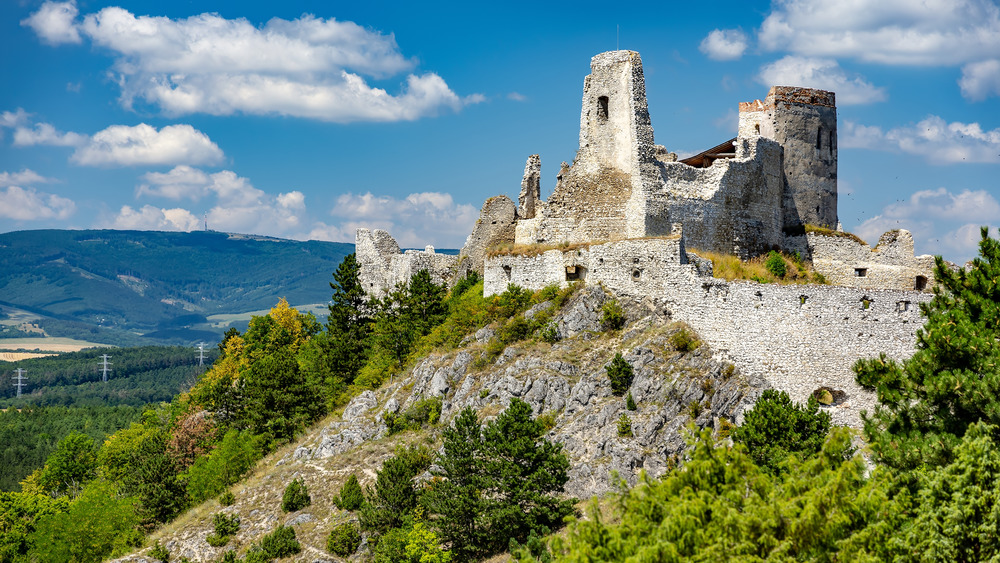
[[495, 227], [733, 206], [797, 338], [531, 188], [891, 264], [381, 265], [804, 122]]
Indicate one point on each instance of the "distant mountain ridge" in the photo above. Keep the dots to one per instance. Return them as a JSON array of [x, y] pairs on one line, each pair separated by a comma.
[[159, 284]]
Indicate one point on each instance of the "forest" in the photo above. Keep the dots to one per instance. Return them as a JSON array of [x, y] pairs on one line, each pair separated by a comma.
[[782, 486]]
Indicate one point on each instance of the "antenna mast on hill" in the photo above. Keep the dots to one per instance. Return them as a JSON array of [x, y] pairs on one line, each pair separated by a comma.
[[201, 353], [19, 381], [205, 217], [105, 367]]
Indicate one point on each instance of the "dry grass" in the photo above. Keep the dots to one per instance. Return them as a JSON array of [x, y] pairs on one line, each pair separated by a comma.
[[18, 356], [729, 267], [529, 250], [50, 344], [832, 233]]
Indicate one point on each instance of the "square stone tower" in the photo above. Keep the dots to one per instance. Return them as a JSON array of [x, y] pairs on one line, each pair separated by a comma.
[[804, 122]]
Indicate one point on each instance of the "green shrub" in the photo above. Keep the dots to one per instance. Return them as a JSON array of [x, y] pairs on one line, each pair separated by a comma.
[[483, 393], [775, 264], [547, 420], [695, 408], [630, 402], [420, 412], [296, 496], [684, 341], [229, 557], [612, 315], [280, 543], [227, 498], [351, 497], [624, 425], [550, 333], [776, 427], [226, 525], [620, 373], [215, 540], [344, 539], [159, 553]]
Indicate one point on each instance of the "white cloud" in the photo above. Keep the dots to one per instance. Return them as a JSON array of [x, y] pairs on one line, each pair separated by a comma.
[[26, 177], [149, 218], [12, 119], [980, 80], [28, 204], [308, 67], [416, 221], [143, 145], [46, 134], [237, 206], [54, 22], [824, 74], [942, 222], [933, 138], [724, 44], [930, 32], [517, 97]]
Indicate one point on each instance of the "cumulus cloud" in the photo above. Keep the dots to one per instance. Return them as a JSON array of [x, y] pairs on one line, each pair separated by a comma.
[[931, 32], [308, 67], [124, 145], [895, 32], [55, 23], [943, 222], [418, 220], [46, 134], [141, 145], [26, 177], [12, 119], [28, 204], [724, 44], [237, 206], [980, 80], [149, 218], [933, 138], [824, 74]]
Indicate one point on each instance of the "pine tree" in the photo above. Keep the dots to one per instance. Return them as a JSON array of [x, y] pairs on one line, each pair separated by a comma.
[[349, 323], [953, 379], [776, 427]]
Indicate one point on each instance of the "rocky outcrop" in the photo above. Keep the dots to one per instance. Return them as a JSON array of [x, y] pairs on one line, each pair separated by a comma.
[[565, 382]]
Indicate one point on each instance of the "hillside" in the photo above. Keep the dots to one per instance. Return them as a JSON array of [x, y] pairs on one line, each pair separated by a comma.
[[109, 286], [566, 381]]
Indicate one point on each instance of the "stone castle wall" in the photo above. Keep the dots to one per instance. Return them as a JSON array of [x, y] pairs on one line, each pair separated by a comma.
[[891, 264], [796, 338], [381, 265]]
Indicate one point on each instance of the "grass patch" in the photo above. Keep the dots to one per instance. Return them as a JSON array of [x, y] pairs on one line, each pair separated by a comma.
[[763, 269], [823, 231]]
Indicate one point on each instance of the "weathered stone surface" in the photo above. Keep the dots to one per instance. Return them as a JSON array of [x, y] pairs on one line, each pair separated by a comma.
[[381, 266], [531, 188], [495, 227]]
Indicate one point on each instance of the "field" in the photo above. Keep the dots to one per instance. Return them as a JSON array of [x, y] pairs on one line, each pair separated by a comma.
[[57, 344], [18, 356], [223, 321]]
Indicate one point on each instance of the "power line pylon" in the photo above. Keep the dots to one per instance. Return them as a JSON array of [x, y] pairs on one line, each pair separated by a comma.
[[105, 367], [19, 380]]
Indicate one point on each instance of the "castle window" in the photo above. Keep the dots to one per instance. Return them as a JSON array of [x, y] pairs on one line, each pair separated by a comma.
[[506, 272], [831, 143], [866, 302], [920, 284], [602, 108], [802, 300], [903, 306], [819, 138], [756, 128], [636, 274], [574, 273], [860, 272]]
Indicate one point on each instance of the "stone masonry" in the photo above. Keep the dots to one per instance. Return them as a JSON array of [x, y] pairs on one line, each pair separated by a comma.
[[627, 215]]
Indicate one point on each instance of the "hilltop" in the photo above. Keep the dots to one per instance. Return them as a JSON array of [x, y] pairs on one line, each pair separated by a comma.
[[137, 287]]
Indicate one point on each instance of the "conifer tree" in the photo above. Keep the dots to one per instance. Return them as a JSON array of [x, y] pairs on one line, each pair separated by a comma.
[[953, 379], [349, 323]]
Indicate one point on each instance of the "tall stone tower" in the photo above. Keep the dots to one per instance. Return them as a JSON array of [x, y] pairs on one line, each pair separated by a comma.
[[614, 119], [804, 122]]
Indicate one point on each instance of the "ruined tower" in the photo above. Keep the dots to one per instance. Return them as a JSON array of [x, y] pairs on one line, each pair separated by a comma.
[[804, 122]]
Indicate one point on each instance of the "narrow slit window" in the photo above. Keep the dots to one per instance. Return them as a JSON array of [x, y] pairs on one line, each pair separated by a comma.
[[819, 138], [861, 272]]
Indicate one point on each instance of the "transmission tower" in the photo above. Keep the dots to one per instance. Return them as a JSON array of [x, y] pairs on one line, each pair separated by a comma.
[[201, 353], [19, 381], [105, 367]]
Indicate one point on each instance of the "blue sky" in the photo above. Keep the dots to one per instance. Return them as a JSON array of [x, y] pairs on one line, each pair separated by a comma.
[[308, 119]]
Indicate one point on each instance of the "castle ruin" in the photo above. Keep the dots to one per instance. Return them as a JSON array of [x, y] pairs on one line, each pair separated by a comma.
[[631, 216]]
